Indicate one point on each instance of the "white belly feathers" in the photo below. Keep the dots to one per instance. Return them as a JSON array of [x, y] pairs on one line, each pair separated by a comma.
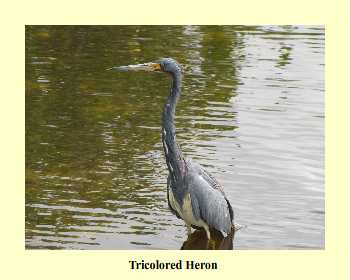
[[186, 212]]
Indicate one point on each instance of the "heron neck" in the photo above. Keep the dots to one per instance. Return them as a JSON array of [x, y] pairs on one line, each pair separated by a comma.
[[173, 154]]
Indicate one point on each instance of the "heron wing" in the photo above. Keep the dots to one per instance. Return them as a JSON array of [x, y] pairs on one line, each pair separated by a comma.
[[211, 181], [209, 202]]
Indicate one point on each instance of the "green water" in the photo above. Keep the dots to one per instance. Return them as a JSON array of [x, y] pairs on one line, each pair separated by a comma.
[[252, 113]]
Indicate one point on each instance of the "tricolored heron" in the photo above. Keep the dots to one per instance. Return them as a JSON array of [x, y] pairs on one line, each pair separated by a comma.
[[194, 195]]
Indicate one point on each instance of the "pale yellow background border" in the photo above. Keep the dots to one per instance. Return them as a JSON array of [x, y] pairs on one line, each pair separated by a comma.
[[16, 263]]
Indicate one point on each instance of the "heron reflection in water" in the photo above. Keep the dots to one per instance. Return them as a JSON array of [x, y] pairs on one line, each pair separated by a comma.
[[194, 195], [197, 240]]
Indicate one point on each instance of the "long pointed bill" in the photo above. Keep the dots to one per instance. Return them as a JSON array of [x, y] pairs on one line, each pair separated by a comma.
[[149, 67]]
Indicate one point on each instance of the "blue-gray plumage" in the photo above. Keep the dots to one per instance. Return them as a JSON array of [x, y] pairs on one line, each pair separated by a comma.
[[194, 195]]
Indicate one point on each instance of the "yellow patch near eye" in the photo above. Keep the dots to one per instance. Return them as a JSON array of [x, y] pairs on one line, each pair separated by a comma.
[[157, 66]]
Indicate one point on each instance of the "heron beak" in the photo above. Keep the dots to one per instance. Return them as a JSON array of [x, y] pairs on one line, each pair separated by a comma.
[[148, 67]]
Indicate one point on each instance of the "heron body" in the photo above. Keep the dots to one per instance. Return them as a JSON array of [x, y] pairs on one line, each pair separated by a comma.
[[194, 195]]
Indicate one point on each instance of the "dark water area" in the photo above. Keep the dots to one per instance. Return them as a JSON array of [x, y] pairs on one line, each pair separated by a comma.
[[251, 113]]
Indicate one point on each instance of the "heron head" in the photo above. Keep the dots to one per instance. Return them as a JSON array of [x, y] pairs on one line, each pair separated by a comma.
[[167, 65], [170, 65]]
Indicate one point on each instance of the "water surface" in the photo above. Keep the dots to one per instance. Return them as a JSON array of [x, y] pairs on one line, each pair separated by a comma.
[[252, 113]]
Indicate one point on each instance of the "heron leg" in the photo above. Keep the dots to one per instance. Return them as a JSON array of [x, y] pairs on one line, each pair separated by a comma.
[[188, 229], [207, 231]]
